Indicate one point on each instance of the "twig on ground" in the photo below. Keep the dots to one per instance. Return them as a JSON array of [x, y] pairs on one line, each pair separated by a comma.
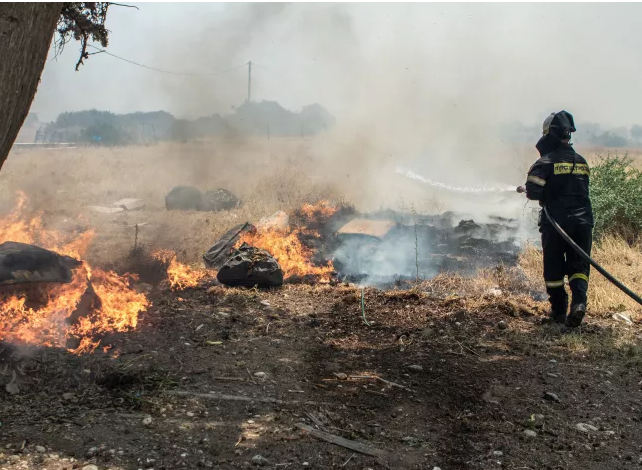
[[347, 443], [316, 421], [349, 459], [376, 377]]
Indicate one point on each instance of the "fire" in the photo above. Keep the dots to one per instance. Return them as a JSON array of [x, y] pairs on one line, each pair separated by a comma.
[[180, 275], [50, 325], [322, 208], [17, 228], [293, 256]]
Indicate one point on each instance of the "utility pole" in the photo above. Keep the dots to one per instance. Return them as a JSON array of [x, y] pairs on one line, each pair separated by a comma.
[[249, 80]]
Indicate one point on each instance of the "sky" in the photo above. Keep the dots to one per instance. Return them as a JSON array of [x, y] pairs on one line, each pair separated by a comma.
[[430, 68]]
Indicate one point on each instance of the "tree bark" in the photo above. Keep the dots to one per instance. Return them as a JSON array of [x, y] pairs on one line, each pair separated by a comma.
[[26, 30]]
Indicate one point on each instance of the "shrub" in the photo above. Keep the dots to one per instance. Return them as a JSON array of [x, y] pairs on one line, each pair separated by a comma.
[[616, 194]]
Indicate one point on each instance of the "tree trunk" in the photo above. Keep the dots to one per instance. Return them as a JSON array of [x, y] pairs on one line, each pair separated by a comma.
[[26, 30]]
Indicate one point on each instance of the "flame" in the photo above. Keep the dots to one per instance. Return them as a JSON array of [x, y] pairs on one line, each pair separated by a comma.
[[292, 255], [323, 208], [294, 258], [49, 325], [180, 276]]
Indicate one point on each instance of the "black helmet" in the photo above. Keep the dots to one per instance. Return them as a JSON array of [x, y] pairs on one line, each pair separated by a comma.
[[559, 124]]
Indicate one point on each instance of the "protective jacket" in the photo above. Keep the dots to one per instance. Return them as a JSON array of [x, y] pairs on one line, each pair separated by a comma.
[[560, 180]]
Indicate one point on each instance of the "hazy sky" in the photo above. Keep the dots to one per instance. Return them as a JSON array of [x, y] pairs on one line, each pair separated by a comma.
[[446, 66]]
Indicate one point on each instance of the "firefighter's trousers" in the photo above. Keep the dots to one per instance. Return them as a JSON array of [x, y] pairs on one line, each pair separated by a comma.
[[560, 260]]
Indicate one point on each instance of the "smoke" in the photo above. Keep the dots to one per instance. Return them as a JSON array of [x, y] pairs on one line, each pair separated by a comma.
[[422, 86]]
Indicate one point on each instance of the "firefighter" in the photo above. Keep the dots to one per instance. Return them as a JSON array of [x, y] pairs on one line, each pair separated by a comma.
[[560, 181]]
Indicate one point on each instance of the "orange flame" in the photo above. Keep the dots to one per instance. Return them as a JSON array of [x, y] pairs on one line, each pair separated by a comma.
[[294, 258], [322, 208], [180, 275], [49, 325]]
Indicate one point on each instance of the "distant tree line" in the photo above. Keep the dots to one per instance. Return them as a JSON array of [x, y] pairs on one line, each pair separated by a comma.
[[587, 134], [266, 118]]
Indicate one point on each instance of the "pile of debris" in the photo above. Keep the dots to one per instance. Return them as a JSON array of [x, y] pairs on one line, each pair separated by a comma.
[[245, 265], [378, 249], [30, 274]]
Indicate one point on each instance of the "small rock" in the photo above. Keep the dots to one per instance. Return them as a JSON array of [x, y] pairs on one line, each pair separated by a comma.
[[147, 421], [495, 292], [551, 397], [190, 414], [14, 458], [260, 375], [502, 325], [68, 396], [436, 468], [92, 451], [416, 367], [259, 460], [40, 449], [341, 376], [265, 303], [90, 467], [530, 433], [199, 327], [585, 427], [305, 464], [498, 453]]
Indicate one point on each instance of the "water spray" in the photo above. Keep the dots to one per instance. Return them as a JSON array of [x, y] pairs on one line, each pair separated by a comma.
[[460, 189]]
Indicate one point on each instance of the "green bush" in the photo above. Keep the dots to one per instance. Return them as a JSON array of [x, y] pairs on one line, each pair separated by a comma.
[[616, 194]]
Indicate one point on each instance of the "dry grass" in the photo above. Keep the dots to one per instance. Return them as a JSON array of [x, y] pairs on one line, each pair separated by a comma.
[[268, 176], [618, 258], [279, 174]]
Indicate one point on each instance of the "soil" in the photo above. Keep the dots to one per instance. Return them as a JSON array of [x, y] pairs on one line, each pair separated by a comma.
[[466, 384]]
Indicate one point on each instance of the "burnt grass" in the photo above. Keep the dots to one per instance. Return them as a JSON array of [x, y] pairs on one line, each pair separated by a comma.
[[485, 367]]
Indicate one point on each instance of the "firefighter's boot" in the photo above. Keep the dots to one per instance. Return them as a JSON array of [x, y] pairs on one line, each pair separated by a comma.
[[577, 315]]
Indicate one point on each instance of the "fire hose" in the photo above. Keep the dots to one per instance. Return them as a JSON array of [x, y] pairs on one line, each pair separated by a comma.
[[587, 258]]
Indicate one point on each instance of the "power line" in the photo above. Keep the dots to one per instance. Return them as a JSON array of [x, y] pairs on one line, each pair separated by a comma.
[[103, 51]]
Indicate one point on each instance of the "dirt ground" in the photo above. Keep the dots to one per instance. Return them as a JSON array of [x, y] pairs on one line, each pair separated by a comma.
[[215, 377]]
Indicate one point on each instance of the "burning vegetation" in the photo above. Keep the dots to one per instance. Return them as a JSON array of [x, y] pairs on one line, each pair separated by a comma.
[[179, 275], [317, 243], [71, 315], [286, 243]]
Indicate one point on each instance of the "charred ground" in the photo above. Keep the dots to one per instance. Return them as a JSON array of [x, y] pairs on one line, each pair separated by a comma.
[[291, 354]]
